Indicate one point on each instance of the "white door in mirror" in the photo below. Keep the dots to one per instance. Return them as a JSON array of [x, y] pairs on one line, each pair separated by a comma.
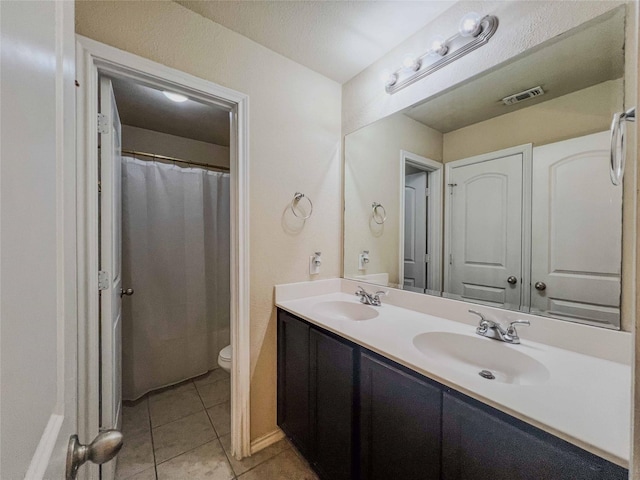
[[576, 251], [485, 229], [415, 232]]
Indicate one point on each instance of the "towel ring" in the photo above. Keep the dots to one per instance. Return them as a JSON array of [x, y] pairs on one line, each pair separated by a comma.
[[618, 143], [296, 198], [374, 209]]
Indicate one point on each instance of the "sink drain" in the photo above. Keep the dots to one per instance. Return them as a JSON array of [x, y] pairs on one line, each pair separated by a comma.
[[486, 374]]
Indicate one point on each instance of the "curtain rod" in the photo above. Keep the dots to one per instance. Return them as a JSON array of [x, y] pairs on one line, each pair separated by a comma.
[[173, 159]]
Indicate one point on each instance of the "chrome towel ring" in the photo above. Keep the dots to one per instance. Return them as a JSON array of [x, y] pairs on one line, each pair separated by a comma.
[[618, 143], [296, 199], [377, 215]]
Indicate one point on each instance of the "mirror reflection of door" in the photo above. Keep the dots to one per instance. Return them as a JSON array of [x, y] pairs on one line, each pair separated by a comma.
[[484, 237], [577, 225], [422, 223], [416, 245]]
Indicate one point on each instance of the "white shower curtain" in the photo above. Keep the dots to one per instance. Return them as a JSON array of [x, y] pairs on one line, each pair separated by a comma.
[[175, 255]]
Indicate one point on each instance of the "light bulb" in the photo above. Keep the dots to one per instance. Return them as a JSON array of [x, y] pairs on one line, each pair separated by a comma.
[[410, 62], [470, 25], [391, 80], [175, 97], [438, 45]]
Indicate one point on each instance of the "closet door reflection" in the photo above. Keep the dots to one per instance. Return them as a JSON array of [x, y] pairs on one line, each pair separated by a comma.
[[484, 236], [577, 225]]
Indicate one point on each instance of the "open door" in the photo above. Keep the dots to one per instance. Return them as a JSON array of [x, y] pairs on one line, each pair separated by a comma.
[[415, 232], [110, 276], [38, 249]]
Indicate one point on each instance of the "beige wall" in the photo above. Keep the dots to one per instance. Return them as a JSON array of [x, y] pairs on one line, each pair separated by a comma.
[[294, 121], [149, 141], [579, 113], [372, 173]]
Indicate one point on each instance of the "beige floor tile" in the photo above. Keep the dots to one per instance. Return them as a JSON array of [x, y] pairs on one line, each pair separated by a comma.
[[215, 393], [220, 416], [174, 403], [135, 418], [135, 457], [284, 466], [148, 474], [205, 462], [246, 464], [182, 435], [211, 377]]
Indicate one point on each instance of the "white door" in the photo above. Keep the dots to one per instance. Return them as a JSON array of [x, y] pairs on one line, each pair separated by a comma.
[[38, 369], [484, 236], [576, 251], [110, 265], [415, 232]]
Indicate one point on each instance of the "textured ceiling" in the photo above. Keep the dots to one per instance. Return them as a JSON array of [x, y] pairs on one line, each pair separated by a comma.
[[145, 107], [338, 39], [591, 55]]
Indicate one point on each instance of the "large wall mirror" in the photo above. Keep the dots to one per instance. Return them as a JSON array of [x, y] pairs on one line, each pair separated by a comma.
[[498, 190]]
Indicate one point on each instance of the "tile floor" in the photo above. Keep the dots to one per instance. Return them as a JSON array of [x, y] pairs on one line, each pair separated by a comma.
[[183, 432]]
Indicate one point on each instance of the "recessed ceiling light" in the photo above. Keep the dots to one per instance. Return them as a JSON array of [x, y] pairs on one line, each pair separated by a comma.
[[175, 97]]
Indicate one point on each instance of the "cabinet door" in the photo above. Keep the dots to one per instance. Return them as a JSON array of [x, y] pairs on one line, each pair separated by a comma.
[[332, 406], [293, 380], [481, 443], [400, 423]]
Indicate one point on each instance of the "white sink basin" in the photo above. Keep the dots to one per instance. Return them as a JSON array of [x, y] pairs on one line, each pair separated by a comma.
[[473, 354], [341, 310]]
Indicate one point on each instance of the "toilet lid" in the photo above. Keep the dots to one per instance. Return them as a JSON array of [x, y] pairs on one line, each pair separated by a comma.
[[225, 353]]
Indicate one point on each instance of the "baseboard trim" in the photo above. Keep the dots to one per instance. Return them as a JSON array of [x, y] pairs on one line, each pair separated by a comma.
[[264, 441]]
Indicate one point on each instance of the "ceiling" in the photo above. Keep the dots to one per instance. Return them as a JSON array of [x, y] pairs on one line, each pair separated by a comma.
[[338, 39], [589, 55], [145, 107]]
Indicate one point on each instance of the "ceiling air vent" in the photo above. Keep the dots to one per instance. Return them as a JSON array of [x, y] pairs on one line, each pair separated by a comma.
[[526, 95]]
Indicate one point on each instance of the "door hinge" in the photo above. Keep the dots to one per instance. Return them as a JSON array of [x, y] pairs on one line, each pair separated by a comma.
[[450, 259], [426, 192], [451, 185], [103, 280], [427, 258], [103, 123]]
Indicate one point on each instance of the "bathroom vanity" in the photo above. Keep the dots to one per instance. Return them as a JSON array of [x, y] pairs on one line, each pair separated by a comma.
[[390, 392]]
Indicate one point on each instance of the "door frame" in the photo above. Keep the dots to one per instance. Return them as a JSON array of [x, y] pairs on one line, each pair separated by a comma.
[[93, 57], [527, 156], [434, 233]]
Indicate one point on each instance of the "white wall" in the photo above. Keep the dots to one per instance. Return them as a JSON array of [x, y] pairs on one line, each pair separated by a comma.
[[372, 173], [294, 122], [150, 141]]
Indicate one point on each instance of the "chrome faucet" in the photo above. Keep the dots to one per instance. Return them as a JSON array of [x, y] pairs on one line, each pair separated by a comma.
[[370, 298], [490, 329]]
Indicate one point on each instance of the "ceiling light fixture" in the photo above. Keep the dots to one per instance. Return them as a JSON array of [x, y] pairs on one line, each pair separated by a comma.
[[474, 31], [175, 97]]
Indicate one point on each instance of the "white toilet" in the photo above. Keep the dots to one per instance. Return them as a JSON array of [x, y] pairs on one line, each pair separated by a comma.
[[224, 358]]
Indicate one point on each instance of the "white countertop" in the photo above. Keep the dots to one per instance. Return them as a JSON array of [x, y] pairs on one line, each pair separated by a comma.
[[586, 399]]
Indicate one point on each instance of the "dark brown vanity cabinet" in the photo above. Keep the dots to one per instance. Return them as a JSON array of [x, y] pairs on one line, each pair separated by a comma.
[[479, 442], [293, 380], [316, 396], [356, 415], [399, 423]]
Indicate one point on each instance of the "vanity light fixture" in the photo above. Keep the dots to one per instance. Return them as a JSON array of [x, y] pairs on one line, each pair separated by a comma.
[[474, 31], [175, 97]]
